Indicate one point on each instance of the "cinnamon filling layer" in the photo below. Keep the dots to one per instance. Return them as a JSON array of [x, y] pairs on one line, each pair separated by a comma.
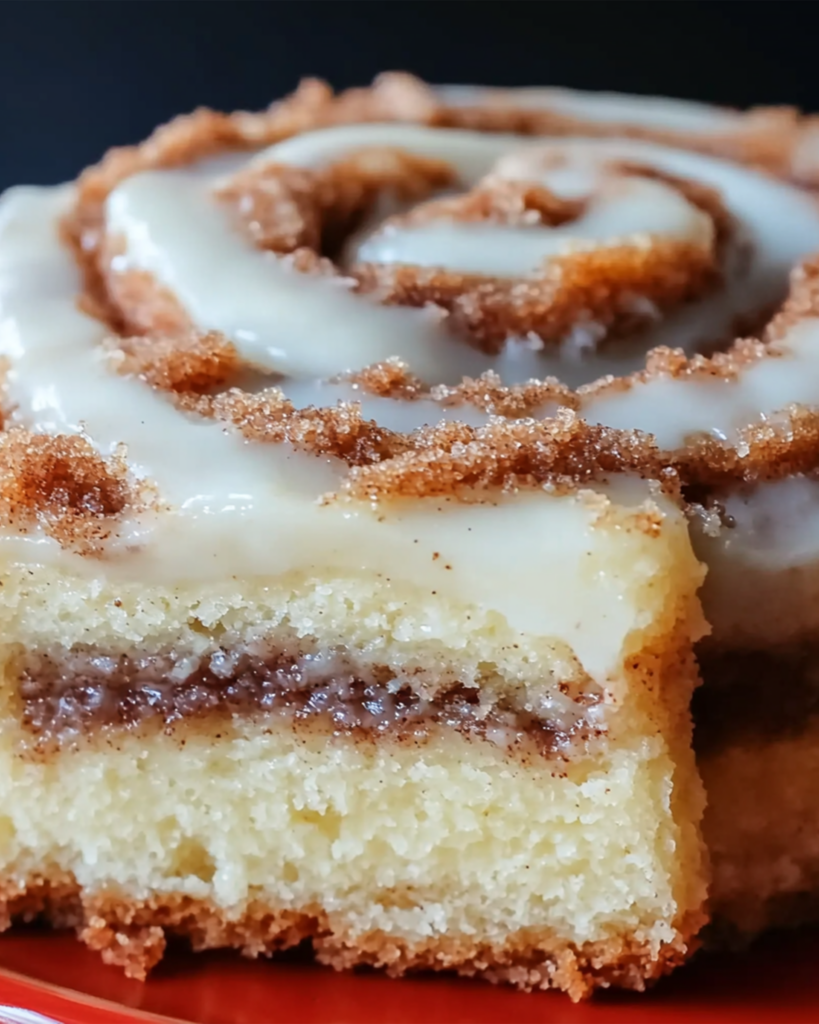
[[73, 694]]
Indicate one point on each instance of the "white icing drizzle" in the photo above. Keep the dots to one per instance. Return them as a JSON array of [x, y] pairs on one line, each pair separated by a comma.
[[252, 508], [401, 416], [311, 327], [472, 153], [314, 328], [60, 381], [797, 138], [675, 410], [279, 319], [623, 212]]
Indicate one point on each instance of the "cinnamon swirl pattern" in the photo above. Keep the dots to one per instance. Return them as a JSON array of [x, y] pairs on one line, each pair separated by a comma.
[[355, 458], [458, 255]]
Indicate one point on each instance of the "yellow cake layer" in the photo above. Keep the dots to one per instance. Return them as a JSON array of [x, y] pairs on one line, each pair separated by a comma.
[[417, 841]]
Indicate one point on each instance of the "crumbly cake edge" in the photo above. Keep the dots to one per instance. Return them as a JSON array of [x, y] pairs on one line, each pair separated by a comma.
[[132, 934]]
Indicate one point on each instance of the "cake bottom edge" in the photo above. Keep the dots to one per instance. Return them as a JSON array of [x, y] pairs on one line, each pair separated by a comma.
[[133, 934]]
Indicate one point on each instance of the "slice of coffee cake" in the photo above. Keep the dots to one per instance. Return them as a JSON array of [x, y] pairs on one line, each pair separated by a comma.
[[282, 663]]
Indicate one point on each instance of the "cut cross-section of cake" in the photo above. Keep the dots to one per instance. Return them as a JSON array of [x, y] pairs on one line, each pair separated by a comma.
[[457, 762], [274, 671]]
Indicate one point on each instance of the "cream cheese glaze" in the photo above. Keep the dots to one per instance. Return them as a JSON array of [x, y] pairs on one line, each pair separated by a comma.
[[652, 208], [780, 224], [236, 508], [279, 319], [173, 230], [677, 409]]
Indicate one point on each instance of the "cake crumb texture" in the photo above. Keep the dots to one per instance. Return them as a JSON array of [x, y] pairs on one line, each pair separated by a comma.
[[445, 853]]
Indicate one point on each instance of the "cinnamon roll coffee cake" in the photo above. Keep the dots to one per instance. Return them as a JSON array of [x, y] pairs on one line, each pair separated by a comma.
[[362, 462]]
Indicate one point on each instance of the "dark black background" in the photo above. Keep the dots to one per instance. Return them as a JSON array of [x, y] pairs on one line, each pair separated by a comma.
[[77, 76]]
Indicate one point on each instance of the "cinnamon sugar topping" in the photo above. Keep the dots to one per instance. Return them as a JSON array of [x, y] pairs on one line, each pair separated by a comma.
[[307, 212], [285, 208], [500, 201], [489, 393], [388, 379], [268, 417], [506, 289], [453, 458], [600, 283], [62, 484], [192, 362], [801, 304]]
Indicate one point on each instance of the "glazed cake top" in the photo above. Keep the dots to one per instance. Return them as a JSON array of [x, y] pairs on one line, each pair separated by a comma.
[[252, 318]]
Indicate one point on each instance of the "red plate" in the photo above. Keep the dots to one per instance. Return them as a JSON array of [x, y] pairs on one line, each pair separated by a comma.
[[53, 975]]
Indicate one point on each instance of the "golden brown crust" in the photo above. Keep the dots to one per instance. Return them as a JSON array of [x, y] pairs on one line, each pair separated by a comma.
[[132, 934]]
